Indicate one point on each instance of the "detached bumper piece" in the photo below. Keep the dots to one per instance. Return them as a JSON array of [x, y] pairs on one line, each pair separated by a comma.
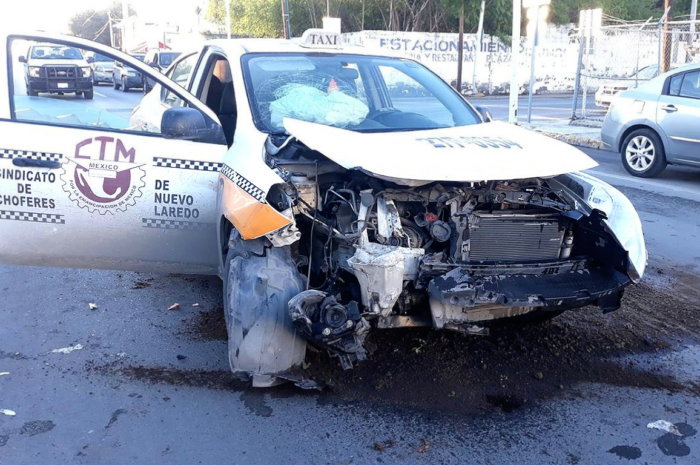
[[456, 295], [338, 328]]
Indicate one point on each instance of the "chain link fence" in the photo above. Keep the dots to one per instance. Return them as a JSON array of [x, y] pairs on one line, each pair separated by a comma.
[[679, 44], [616, 58]]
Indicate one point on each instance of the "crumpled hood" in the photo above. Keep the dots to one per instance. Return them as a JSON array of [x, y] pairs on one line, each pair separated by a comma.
[[481, 152]]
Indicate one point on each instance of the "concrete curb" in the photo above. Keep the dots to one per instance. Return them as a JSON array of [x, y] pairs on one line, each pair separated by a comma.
[[575, 140]]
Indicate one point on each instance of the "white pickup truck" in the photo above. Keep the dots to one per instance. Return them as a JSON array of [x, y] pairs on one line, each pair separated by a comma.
[[57, 69]]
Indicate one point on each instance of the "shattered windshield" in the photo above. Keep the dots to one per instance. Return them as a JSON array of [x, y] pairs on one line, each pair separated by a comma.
[[359, 93]]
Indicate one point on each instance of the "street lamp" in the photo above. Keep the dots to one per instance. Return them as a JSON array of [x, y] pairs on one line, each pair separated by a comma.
[[533, 13]]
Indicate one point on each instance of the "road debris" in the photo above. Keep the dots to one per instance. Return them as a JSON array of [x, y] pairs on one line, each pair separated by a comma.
[[665, 426], [67, 350], [382, 446], [92, 305], [195, 304], [32, 428], [115, 416], [4, 373], [181, 357], [424, 446], [174, 306], [9, 413]]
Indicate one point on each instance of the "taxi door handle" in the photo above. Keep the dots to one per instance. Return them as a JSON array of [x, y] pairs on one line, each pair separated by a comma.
[[33, 163], [669, 108]]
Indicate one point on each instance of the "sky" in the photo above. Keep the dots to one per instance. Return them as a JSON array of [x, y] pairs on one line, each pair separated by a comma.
[[53, 15]]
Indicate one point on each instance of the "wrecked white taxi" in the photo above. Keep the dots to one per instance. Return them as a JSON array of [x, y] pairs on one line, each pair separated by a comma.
[[336, 191]]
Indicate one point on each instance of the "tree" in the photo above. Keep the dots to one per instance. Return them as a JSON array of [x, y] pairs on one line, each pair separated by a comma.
[[94, 24], [262, 18]]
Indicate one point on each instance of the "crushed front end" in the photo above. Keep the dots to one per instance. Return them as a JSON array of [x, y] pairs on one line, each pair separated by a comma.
[[378, 253]]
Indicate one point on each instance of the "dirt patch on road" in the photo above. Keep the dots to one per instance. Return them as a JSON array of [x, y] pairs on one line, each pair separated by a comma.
[[214, 379], [207, 325], [517, 365], [513, 367]]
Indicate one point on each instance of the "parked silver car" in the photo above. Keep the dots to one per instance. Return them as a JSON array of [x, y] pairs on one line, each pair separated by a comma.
[[658, 123]]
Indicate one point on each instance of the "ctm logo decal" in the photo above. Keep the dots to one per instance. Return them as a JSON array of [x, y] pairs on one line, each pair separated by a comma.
[[102, 176]]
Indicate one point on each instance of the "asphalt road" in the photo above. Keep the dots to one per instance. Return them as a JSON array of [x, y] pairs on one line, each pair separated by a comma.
[[107, 98], [136, 383], [544, 107]]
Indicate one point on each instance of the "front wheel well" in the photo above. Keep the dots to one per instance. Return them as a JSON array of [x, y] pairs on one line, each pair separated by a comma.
[[225, 228], [631, 129]]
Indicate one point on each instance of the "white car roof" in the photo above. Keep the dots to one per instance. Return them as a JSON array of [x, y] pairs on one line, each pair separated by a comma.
[[243, 46]]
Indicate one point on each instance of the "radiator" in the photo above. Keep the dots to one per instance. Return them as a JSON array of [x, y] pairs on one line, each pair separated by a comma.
[[506, 236]]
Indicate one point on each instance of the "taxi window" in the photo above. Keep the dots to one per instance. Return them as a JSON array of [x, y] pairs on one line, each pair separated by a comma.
[[406, 94], [62, 88], [355, 92], [180, 73]]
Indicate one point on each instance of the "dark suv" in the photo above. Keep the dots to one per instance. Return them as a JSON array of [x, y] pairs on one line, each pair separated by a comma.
[[125, 77], [57, 69], [160, 60]]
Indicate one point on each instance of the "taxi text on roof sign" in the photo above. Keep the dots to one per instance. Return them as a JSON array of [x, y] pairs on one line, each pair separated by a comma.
[[318, 38]]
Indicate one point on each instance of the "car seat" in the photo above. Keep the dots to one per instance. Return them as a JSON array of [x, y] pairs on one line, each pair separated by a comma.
[[214, 94], [227, 112]]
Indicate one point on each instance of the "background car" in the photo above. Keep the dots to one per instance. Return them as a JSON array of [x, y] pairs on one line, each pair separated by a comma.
[[126, 77], [657, 123], [57, 69], [102, 68], [160, 60], [607, 92]]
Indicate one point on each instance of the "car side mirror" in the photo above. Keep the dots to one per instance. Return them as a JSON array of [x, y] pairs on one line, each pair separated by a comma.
[[485, 113], [184, 123], [90, 60], [22, 59]]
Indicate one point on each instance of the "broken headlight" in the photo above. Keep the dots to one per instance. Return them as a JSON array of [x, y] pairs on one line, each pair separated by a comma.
[[623, 220]]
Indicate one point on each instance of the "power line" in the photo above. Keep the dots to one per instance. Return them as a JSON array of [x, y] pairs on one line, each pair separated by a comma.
[[86, 21], [99, 33]]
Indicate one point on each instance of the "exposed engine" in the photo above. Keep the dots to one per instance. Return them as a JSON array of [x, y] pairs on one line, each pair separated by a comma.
[[447, 255]]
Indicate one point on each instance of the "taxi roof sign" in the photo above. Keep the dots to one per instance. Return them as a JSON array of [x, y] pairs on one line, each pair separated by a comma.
[[319, 38]]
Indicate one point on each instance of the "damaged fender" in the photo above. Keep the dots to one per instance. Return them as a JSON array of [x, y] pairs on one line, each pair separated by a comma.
[[259, 281]]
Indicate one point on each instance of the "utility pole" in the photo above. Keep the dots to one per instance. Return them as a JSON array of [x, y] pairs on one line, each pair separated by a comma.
[[515, 62], [460, 49], [111, 29], [362, 25], [125, 17], [667, 43], [286, 27], [537, 6], [227, 4], [479, 42], [693, 14], [531, 86]]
